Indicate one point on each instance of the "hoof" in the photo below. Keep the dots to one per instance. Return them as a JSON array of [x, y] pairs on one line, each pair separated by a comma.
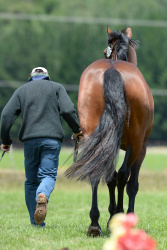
[[94, 231]]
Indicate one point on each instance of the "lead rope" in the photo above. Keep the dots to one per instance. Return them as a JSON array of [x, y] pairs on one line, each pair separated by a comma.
[[74, 152], [76, 149], [2, 155]]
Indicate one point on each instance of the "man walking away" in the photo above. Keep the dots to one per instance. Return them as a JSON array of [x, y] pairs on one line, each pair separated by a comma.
[[42, 103]]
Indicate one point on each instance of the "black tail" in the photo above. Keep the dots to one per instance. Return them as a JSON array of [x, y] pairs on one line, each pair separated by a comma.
[[98, 157]]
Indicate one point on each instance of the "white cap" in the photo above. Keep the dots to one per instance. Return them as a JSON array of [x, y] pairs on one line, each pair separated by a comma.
[[43, 71]]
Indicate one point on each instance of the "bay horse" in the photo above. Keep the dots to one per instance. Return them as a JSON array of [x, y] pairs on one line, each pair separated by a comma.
[[116, 111]]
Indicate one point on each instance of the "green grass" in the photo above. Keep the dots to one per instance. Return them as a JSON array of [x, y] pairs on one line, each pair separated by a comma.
[[67, 219], [154, 161], [15, 159]]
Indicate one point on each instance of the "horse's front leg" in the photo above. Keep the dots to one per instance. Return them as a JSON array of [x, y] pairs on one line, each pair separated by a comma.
[[111, 187], [94, 229]]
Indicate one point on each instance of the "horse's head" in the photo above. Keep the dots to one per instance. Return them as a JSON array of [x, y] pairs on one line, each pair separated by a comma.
[[121, 46]]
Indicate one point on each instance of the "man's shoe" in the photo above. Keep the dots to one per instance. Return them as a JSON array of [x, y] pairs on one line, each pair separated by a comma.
[[41, 208]]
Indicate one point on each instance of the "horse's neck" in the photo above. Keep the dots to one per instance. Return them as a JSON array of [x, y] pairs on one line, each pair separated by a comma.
[[132, 58]]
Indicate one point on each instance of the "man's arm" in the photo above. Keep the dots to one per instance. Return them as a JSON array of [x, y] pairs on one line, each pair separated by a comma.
[[8, 116], [67, 110]]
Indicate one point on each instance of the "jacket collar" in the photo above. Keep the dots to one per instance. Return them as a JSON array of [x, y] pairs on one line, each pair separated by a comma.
[[39, 77]]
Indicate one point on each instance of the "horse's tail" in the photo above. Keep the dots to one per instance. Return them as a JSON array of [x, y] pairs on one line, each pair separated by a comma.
[[98, 157]]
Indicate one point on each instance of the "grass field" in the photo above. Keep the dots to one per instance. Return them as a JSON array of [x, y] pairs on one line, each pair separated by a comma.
[[67, 219], [155, 160]]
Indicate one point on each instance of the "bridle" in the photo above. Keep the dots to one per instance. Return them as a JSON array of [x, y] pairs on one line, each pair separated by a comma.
[[110, 49]]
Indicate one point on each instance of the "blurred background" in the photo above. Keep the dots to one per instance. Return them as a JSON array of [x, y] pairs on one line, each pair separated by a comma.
[[66, 36]]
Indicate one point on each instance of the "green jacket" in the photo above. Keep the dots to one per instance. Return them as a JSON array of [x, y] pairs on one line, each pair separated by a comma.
[[41, 104]]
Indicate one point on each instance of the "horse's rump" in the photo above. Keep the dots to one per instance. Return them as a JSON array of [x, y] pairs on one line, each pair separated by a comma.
[[141, 105], [98, 157]]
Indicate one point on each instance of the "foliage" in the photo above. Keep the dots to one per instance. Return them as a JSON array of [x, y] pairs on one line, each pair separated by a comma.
[[66, 48]]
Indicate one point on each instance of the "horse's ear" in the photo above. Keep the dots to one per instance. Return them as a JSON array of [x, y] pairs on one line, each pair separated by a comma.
[[108, 30], [128, 32]]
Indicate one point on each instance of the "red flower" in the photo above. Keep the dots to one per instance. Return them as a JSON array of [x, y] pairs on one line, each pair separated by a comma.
[[125, 237], [130, 221], [135, 240]]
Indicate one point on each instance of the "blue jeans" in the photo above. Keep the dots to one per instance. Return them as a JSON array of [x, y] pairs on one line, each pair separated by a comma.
[[41, 164]]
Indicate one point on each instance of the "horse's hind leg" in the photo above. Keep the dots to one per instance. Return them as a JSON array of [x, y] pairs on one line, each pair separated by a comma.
[[111, 187], [132, 185], [123, 175], [94, 229]]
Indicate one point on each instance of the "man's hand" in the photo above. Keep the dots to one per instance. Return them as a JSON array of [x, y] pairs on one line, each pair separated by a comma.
[[77, 136], [5, 148]]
